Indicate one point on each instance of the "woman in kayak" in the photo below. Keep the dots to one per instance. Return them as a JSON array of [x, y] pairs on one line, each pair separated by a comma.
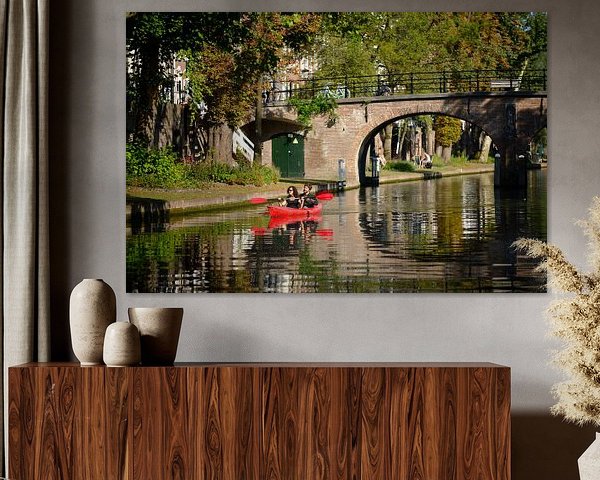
[[292, 200], [307, 199]]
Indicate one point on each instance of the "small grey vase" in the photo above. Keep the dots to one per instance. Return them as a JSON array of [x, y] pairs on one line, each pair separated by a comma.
[[122, 345]]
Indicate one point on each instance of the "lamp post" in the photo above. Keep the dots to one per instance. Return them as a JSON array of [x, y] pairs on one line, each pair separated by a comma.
[[258, 118]]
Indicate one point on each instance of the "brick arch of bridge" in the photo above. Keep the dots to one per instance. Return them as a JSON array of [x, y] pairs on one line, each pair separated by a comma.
[[511, 119]]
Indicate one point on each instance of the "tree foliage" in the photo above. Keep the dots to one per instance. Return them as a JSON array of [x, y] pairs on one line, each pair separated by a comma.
[[432, 41], [339, 57], [477, 40], [228, 53], [307, 109], [447, 130], [226, 79]]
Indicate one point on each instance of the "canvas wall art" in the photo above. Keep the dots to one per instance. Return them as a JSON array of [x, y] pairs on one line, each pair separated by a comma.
[[335, 152]]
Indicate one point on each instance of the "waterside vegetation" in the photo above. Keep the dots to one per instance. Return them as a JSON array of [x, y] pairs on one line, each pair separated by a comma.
[[159, 168]]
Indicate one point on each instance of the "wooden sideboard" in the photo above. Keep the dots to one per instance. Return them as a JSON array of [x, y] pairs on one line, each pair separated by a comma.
[[260, 422]]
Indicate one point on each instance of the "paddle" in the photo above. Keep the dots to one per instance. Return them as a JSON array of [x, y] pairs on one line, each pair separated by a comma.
[[320, 196], [324, 195]]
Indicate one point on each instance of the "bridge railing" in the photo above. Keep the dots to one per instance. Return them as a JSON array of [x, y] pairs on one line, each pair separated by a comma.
[[411, 83]]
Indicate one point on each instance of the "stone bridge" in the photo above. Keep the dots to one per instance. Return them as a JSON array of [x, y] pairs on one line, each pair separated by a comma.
[[510, 118]]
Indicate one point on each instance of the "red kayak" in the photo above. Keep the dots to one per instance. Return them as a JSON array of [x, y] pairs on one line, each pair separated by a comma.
[[276, 211]]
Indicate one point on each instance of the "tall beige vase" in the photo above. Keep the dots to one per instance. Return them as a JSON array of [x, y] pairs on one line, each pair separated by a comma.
[[159, 333], [93, 307], [589, 462]]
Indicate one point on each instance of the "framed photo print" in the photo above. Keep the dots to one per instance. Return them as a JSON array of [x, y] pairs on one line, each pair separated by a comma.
[[335, 152]]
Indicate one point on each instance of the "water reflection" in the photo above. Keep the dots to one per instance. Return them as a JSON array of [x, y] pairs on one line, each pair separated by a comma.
[[443, 235]]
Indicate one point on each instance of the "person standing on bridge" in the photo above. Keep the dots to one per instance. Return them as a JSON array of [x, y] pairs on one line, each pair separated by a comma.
[[384, 90]]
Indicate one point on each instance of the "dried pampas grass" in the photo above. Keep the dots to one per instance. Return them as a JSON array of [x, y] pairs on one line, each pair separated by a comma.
[[575, 318]]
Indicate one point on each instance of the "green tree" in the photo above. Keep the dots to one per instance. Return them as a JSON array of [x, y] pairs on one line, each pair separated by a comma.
[[447, 131], [344, 57], [227, 78], [368, 43], [405, 42], [228, 54], [427, 41], [153, 41], [476, 40], [532, 29]]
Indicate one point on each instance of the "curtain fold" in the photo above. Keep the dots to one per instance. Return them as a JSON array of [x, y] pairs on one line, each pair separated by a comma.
[[24, 160]]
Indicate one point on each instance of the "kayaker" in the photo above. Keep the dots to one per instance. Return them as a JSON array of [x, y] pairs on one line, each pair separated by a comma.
[[292, 200], [307, 199]]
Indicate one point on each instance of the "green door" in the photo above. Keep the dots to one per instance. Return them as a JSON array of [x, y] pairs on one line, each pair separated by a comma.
[[288, 154]]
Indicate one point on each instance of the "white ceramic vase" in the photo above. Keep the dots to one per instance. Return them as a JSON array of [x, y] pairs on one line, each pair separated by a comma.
[[122, 345], [589, 462], [93, 307], [159, 333]]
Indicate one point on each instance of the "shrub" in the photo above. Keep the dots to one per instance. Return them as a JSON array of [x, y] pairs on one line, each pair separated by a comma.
[[218, 172], [401, 166], [241, 160], [152, 167], [256, 175], [214, 171]]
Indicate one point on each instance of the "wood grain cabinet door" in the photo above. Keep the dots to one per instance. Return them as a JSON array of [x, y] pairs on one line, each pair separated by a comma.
[[197, 423], [68, 422], [435, 423], [310, 423]]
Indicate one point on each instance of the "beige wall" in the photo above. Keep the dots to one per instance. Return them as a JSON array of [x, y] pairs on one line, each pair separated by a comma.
[[88, 228]]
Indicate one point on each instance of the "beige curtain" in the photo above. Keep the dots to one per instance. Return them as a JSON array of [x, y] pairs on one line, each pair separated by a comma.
[[24, 157]]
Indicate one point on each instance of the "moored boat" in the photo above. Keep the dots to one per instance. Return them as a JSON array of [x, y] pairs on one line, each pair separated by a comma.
[[277, 211]]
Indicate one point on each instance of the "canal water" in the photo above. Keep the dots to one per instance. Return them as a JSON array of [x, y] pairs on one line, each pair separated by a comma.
[[443, 235]]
